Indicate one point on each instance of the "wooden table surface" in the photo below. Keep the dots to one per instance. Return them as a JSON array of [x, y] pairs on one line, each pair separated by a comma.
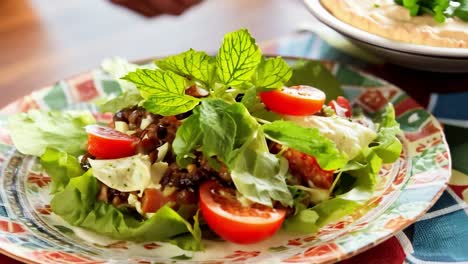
[[42, 41]]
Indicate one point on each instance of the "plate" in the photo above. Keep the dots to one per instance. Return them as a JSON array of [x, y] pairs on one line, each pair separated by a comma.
[[30, 232], [409, 55]]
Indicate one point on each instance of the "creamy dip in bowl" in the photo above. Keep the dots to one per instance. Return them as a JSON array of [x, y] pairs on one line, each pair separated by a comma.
[[389, 20], [388, 31]]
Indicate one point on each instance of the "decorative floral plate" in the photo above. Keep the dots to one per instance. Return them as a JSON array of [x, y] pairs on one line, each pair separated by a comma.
[[30, 232]]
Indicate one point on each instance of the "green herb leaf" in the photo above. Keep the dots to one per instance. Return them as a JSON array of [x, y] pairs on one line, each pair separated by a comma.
[[386, 145], [272, 73], [462, 10], [259, 175], [36, 130], [313, 73], [307, 140], [237, 59], [164, 92], [218, 128], [195, 65], [188, 138]]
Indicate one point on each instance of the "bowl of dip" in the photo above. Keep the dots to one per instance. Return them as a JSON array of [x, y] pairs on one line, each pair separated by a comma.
[[387, 30]]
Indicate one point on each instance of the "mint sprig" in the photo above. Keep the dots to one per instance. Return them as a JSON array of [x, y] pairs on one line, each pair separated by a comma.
[[237, 58], [163, 91]]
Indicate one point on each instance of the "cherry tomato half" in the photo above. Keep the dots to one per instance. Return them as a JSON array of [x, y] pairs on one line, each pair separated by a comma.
[[341, 106], [298, 100], [234, 222], [108, 143]]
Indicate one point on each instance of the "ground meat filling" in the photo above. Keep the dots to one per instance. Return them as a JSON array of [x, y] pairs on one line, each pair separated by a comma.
[[157, 131]]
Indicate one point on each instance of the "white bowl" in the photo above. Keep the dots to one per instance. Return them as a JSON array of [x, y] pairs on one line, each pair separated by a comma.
[[414, 56]]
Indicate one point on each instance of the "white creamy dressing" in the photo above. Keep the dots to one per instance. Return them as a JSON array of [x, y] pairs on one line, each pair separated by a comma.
[[350, 137], [135, 173], [387, 19]]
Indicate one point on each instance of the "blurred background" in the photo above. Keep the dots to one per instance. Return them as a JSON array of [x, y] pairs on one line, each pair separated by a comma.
[[46, 40]]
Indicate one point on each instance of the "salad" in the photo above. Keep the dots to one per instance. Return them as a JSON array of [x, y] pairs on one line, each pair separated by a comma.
[[236, 146]]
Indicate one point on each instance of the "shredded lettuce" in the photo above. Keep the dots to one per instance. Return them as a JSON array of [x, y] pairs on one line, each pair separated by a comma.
[[36, 130]]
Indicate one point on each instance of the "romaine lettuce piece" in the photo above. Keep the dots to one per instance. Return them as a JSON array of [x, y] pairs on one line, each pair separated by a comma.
[[77, 205], [36, 130]]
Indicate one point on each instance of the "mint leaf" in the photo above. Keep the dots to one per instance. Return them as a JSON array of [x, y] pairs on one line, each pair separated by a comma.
[[164, 92], [237, 58], [313, 73], [191, 64], [272, 73], [307, 140]]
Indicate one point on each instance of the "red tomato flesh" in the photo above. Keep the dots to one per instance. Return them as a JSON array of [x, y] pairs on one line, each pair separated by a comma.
[[341, 106], [298, 100], [154, 199], [108, 143], [228, 218]]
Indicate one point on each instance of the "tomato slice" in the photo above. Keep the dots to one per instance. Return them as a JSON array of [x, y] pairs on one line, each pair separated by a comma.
[[108, 143], [341, 106], [307, 167], [227, 217], [298, 100], [154, 199]]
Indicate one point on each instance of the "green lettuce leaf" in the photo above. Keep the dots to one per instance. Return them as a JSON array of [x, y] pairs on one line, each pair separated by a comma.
[[36, 130], [386, 145], [272, 73], [314, 73], [61, 167], [121, 101], [118, 68], [228, 133], [462, 10], [77, 205], [164, 92], [259, 175], [216, 128], [195, 65], [237, 58], [307, 140], [188, 138]]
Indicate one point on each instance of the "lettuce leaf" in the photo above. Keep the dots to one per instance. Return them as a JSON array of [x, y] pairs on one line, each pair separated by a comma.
[[259, 175], [117, 68], [228, 133], [36, 130], [61, 167], [314, 73], [307, 140], [77, 205], [365, 167]]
